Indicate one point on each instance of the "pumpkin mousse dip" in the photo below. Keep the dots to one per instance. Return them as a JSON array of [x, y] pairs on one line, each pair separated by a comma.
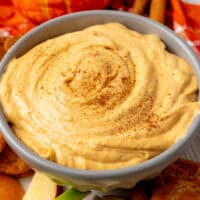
[[102, 98]]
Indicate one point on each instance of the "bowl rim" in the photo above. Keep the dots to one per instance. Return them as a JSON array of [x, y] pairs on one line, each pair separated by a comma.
[[49, 166]]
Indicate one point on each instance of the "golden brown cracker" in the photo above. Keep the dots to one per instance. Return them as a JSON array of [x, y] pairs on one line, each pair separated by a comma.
[[177, 190], [183, 170], [6, 43], [11, 164], [9, 41], [2, 143], [10, 189], [27, 173], [179, 181]]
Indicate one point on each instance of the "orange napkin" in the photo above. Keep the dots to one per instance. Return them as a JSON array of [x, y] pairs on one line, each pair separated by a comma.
[[186, 21], [12, 22], [19, 16], [42, 10]]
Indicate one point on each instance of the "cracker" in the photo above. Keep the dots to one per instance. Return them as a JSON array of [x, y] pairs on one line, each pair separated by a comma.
[[180, 181], [10, 188], [25, 174], [2, 143], [9, 41], [11, 164]]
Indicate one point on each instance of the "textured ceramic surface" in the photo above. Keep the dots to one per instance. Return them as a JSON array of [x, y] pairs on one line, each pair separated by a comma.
[[109, 179]]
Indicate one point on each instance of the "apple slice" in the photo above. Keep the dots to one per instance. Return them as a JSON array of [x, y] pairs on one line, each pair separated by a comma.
[[41, 187], [72, 194]]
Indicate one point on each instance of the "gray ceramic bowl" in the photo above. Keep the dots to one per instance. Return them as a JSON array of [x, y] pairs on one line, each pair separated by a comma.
[[109, 179]]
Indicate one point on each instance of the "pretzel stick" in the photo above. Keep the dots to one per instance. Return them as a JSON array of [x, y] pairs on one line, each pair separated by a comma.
[[139, 6], [2, 51], [157, 10], [9, 41]]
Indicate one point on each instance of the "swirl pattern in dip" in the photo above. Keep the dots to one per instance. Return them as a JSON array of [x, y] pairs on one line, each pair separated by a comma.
[[102, 98]]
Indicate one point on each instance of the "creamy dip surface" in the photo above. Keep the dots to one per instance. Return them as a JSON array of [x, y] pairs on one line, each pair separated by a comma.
[[102, 98]]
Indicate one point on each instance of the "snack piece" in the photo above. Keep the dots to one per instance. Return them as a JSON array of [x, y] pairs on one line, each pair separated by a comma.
[[181, 169], [157, 10], [41, 187], [2, 51], [178, 190], [139, 6], [140, 192], [25, 174], [10, 189], [9, 41], [180, 181], [2, 143], [6, 43], [11, 164]]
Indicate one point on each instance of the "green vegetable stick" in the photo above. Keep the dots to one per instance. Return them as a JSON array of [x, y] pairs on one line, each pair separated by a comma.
[[72, 194]]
